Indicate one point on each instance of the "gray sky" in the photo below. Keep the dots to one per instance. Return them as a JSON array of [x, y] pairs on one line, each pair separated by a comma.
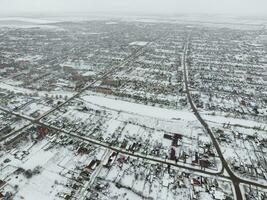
[[242, 7]]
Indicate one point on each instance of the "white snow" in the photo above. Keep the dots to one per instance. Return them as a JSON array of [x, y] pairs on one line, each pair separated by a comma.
[[140, 109], [138, 43]]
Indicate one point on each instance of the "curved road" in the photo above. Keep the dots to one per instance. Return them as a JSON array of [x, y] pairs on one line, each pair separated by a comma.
[[235, 179]]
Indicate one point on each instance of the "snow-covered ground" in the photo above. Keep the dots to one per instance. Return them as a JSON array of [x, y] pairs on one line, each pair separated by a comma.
[[138, 43], [140, 109], [24, 22]]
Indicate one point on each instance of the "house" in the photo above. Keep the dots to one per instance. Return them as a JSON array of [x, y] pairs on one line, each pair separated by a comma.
[[111, 159], [124, 144], [93, 164], [167, 136], [42, 131], [104, 90], [172, 154], [243, 103], [121, 159], [195, 181], [83, 150], [111, 83], [175, 138], [204, 163]]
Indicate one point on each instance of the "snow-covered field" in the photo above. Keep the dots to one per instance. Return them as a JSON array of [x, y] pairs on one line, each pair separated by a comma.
[[140, 109]]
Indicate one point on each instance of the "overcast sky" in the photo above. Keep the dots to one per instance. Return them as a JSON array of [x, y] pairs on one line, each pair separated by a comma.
[[253, 7]]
